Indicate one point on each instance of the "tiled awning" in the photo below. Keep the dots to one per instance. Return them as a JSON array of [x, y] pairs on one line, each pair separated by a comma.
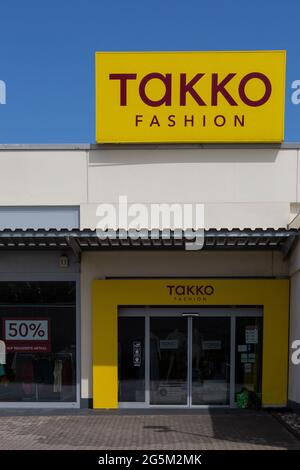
[[88, 240]]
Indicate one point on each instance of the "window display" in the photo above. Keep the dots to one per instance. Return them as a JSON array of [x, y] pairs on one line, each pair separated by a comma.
[[38, 327], [248, 357]]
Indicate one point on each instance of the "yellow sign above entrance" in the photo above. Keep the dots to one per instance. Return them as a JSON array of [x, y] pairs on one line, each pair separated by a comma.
[[109, 295], [190, 97]]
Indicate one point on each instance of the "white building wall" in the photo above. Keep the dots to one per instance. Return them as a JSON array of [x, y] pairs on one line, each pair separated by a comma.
[[240, 187], [43, 177], [218, 215], [191, 175]]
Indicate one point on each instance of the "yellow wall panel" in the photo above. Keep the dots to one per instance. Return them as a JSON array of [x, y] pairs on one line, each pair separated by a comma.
[[272, 295]]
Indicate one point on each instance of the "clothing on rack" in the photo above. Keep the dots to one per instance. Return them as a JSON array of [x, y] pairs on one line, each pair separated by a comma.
[[67, 372], [57, 373], [43, 370], [39, 377], [25, 373], [68, 368], [2, 370]]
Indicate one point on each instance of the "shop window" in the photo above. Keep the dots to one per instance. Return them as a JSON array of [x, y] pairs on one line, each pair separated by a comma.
[[248, 355], [38, 327], [35, 217]]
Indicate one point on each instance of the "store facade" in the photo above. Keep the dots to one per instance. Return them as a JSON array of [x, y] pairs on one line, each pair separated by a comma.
[[76, 311], [126, 320]]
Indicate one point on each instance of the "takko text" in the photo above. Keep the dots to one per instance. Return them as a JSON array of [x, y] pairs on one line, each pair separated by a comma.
[[216, 85]]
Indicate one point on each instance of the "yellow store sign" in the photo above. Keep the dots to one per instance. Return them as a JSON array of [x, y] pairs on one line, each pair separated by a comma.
[[190, 96]]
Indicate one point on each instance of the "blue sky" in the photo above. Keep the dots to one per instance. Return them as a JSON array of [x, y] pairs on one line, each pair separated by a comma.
[[47, 53]]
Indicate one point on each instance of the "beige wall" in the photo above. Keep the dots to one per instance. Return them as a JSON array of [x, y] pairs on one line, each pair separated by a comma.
[[194, 175], [97, 265], [47, 177], [239, 187], [219, 215]]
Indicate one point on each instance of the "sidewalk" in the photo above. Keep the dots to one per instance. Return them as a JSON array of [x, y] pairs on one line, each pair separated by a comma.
[[159, 430]]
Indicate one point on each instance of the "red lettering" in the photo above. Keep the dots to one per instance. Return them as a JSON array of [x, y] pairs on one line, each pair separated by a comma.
[[154, 121], [220, 88], [258, 76], [219, 120], [138, 119], [167, 81], [239, 120], [123, 77], [188, 87], [171, 120], [188, 120]]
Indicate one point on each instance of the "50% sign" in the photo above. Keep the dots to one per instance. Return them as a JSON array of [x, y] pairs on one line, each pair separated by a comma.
[[26, 329]]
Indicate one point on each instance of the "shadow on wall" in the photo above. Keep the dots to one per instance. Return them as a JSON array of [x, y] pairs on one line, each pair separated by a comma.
[[141, 155]]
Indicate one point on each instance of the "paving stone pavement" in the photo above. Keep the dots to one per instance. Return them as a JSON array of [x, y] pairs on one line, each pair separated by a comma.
[[159, 431]]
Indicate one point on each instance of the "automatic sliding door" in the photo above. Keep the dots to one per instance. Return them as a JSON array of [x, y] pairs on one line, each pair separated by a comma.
[[168, 360], [188, 360], [210, 361]]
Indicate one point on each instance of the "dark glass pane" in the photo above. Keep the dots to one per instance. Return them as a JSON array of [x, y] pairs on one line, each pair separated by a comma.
[[168, 361], [40, 340], [131, 358], [211, 361], [37, 292]]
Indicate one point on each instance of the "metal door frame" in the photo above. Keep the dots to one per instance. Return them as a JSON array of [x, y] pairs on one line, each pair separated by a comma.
[[189, 312]]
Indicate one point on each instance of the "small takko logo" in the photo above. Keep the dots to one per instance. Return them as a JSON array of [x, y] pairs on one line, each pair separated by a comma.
[[190, 290], [2, 92]]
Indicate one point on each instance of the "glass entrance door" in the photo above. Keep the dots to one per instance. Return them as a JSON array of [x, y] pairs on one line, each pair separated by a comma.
[[168, 361], [210, 361], [195, 357]]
